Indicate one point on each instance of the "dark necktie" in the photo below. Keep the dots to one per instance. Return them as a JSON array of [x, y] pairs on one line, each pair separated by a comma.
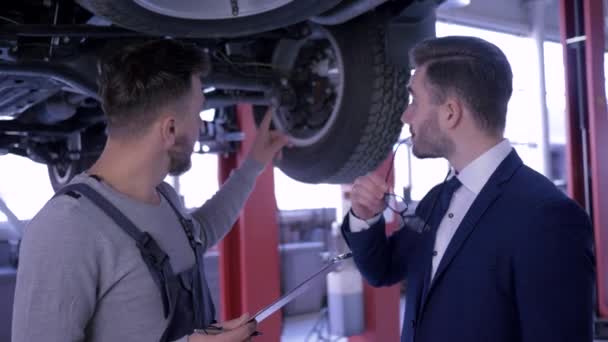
[[438, 211], [443, 202]]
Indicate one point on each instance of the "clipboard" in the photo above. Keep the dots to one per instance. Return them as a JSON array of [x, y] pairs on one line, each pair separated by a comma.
[[298, 290]]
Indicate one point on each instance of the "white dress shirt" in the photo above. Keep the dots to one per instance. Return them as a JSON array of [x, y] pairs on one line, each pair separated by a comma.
[[473, 177]]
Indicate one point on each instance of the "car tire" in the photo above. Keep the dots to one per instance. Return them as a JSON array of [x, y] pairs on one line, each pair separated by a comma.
[[63, 170], [128, 14], [367, 122], [60, 174]]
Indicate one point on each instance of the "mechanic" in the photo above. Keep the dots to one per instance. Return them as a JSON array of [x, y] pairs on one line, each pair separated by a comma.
[[115, 256]]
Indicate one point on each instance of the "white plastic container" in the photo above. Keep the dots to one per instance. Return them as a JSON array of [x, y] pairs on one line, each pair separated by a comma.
[[345, 301]]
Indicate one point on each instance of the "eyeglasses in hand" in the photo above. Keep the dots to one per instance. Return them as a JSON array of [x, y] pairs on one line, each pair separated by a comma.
[[396, 203]]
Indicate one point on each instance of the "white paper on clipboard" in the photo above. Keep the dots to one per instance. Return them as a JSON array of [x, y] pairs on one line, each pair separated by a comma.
[[298, 290]]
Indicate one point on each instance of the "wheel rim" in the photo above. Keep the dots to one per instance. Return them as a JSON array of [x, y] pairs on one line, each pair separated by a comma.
[[62, 172], [210, 9], [317, 105]]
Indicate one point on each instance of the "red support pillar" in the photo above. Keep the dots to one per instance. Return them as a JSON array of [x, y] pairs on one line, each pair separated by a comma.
[[381, 304], [249, 255], [587, 120]]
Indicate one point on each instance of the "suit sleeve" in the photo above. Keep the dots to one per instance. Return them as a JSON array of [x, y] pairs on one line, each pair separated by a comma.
[[381, 260], [554, 275]]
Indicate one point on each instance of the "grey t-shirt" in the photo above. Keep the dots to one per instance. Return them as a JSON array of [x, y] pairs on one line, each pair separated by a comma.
[[81, 278]]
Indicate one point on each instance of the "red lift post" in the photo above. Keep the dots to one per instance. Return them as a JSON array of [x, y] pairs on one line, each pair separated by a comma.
[[583, 40], [249, 255]]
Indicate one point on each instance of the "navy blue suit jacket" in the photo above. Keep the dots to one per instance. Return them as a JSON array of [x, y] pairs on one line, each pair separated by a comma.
[[519, 268]]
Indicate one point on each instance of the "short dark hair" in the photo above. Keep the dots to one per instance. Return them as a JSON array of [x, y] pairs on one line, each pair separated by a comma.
[[473, 69], [137, 80]]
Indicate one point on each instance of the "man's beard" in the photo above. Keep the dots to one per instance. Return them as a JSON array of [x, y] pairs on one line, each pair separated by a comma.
[[179, 157], [430, 142]]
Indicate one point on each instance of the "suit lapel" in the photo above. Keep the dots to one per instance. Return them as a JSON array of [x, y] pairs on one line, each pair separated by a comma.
[[488, 195]]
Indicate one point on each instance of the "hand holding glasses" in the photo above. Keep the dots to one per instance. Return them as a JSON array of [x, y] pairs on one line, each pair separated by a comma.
[[371, 194], [394, 202]]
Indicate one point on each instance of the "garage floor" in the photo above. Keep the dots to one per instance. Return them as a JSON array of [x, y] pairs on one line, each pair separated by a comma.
[[301, 328]]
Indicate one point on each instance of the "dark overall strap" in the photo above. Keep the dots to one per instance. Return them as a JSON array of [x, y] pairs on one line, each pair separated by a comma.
[[185, 222], [154, 257], [202, 302]]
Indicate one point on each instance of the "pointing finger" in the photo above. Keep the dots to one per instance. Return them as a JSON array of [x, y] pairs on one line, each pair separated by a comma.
[[265, 125]]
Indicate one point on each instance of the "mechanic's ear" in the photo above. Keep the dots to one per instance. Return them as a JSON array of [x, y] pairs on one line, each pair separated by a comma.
[[168, 131]]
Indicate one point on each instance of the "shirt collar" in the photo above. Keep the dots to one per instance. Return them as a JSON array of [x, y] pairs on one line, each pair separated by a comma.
[[475, 175]]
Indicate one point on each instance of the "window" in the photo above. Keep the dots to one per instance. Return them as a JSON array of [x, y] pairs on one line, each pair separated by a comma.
[[24, 186], [292, 194], [200, 182]]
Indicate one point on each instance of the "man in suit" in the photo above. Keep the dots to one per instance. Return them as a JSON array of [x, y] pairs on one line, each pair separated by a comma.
[[501, 254]]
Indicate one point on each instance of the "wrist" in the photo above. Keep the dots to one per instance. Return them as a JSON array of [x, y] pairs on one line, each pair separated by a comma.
[[352, 211], [363, 217]]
